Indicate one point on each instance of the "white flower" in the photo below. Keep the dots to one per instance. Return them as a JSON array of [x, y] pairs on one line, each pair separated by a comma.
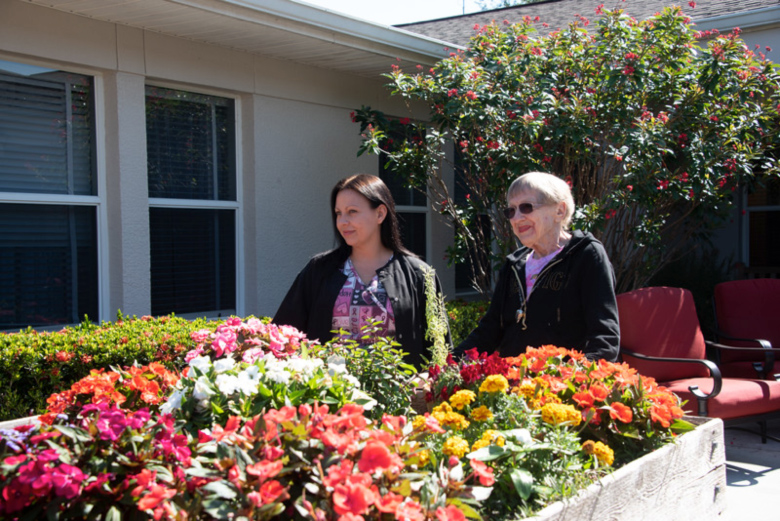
[[173, 403], [201, 363], [247, 382], [279, 376], [456, 472], [523, 436], [227, 383], [354, 382], [224, 364], [481, 493], [202, 389], [337, 364]]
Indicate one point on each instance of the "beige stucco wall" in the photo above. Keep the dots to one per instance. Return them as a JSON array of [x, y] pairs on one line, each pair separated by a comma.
[[295, 140]]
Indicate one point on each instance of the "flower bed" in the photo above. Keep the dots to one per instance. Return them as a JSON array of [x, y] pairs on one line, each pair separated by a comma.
[[262, 423]]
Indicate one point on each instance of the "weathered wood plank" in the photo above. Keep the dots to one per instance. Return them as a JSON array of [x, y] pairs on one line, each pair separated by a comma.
[[681, 481]]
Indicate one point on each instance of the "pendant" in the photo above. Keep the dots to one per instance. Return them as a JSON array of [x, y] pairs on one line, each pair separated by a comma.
[[519, 314]]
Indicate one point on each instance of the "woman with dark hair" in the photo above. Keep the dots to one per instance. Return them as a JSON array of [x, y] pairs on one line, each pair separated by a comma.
[[368, 276]]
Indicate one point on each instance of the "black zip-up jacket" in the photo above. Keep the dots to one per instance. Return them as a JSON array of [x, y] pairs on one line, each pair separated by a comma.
[[309, 303], [572, 305]]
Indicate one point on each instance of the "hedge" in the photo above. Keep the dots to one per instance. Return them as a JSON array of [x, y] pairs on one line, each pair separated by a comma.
[[36, 364]]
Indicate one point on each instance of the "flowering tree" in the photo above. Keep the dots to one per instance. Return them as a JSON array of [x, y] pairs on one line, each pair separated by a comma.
[[653, 124]]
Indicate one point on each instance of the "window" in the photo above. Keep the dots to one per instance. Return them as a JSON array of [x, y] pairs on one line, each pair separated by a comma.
[[48, 197], [193, 203], [763, 208], [412, 209]]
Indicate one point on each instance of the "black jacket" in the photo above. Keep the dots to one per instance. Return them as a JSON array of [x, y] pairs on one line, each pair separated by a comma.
[[309, 303], [572, 304]]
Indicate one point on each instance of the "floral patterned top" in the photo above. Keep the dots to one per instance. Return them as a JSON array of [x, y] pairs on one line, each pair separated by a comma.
[[357, 302]]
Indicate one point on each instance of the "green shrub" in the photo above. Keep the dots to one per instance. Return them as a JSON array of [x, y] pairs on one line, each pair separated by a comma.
[[34, 365], [464, 317]]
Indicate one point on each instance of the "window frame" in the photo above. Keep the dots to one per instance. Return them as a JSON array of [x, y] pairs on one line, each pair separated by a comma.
[[745, 225], [213, 204], [97, 201]]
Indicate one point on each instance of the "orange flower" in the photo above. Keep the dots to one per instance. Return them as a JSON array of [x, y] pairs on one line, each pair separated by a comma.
[[583, 399], [482, 471], [156, 495], [271, 491], [389, 502], [599, 392], [450, 513], [621, 412], [265, 469]]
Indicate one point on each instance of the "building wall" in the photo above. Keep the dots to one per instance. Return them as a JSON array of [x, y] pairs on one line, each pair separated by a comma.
[[294, 141]]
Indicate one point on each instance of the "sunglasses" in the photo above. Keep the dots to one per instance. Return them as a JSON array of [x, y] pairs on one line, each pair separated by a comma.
[[523, 208]]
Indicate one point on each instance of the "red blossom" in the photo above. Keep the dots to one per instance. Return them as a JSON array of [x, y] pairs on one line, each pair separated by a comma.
[[483, 472], [621, 412]]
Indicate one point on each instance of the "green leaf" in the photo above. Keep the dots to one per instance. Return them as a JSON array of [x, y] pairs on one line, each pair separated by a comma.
[[523, 482], [113, 514], [220, 489], [488, 453]]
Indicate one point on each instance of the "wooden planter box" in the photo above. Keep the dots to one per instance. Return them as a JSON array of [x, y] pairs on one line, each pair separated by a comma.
[[684, 480]]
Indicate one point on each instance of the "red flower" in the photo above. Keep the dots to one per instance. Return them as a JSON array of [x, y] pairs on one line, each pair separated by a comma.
[[157, 494], [375, 456], [271, 491], [621, 412], [389, 502], [354, 498], [265, 470], [337, 474], [483, 472], [450, 513], [471, 95]]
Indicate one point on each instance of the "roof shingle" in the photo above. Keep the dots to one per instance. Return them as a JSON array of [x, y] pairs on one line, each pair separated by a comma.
[[558, 14]]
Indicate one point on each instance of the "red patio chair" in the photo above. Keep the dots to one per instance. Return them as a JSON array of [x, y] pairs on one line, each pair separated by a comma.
[[660, 337], [747, 314]]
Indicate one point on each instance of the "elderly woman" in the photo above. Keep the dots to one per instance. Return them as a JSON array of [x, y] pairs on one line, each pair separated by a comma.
[[370, 275], [558, 288]]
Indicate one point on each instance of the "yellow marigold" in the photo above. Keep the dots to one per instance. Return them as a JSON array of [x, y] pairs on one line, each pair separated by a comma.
[[455, 446], [455, 421], [541, 382], [443, 407], [495, 383], [479, 444], [527, 389], [603, 453], [481, 414], [556, 413], [494, 436], [418, 422], [424, 456], [462, 398]]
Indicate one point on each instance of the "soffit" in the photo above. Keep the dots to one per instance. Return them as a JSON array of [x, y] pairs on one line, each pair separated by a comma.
[[280, 29]]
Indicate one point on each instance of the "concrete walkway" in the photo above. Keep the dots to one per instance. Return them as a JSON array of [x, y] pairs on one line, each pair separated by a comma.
[[752, 475]]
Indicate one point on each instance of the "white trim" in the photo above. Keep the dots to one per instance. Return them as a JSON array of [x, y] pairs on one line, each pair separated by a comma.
[[103, 241], [56, 199], [194, 204], [765, 18]]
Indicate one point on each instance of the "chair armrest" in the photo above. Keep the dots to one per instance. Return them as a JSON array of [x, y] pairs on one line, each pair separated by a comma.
[[764, 369], [701, 397]]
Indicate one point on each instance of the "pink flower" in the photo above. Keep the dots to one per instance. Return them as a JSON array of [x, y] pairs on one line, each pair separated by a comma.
[[692, 4], [352, 497], [67, 480], [471, 95], [409, 511]]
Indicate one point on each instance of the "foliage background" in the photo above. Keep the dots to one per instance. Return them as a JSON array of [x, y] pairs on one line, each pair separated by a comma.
[[654, 124]]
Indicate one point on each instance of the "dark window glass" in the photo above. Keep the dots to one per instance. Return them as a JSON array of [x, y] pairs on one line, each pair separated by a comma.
[[764, 247], [190, 145], [413, 232], [193, 261], [46, 131], [48, 265]]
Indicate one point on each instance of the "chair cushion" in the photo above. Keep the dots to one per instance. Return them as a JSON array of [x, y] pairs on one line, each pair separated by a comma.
[[661, 321], [738, 397], [748, 309]]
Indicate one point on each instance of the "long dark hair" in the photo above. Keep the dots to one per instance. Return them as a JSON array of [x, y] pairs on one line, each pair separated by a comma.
[[376, 192]]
